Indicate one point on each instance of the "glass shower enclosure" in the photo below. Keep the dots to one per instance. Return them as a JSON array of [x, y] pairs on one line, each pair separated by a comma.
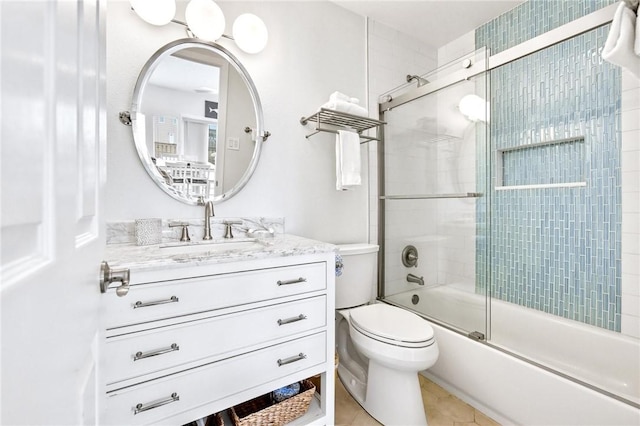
[[433, 207], [500, 211]]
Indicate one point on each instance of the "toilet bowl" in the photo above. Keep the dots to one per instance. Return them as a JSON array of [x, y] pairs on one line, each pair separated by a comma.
[[379, 367], [381, 347]]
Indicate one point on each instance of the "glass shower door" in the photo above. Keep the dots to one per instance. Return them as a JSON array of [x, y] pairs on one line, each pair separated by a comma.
[[433, 197]]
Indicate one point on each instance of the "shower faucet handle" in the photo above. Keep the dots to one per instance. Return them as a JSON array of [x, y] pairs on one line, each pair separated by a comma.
[[410, 256]]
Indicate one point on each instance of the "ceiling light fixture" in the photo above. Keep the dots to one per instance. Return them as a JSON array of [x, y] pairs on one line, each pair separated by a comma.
[[206, 21]]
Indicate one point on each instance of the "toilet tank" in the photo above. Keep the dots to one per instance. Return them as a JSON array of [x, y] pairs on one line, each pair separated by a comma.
[[357, 284]]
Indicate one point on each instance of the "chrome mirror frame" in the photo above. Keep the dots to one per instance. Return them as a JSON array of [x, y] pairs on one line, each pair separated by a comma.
[[143, 153]]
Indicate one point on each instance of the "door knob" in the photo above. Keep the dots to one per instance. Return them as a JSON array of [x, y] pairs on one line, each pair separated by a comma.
[[109, 275]]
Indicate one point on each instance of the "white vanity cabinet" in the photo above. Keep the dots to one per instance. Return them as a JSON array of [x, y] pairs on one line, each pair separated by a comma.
[[192, 340]]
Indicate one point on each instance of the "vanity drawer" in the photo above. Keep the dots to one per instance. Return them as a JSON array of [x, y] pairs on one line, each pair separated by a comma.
[[195, 387], [150, 302], [136, 354]]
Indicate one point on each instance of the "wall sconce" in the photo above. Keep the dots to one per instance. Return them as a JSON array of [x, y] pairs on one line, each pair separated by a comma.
[[206, 21], [474, 108], [159, 12]]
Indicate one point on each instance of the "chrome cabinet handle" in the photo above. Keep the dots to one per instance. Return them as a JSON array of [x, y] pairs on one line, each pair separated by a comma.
[[292, 319], [289, 360], [139, 304], [143, 355], [295, 281], [155, 404]]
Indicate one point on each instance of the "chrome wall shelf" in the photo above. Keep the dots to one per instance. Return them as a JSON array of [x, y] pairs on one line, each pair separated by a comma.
[[343, 120], [431, 196]]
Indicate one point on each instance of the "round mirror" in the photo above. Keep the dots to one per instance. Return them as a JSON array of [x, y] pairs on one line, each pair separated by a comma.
[[197, 121]]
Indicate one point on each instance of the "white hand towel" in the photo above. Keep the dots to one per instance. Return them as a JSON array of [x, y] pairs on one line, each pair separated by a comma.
[[347, 160], [619, 47]]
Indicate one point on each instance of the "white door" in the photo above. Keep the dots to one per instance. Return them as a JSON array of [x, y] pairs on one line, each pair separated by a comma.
[[52, 163]]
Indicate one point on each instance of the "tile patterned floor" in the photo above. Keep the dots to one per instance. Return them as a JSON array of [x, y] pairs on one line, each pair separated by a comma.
[[442, 409]]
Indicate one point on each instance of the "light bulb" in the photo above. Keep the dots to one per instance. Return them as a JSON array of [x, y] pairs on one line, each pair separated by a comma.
[[155, 12], [250, 33], [205, 19]]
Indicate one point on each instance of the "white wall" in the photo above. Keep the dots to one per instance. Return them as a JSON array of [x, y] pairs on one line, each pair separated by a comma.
[[393, 55], [630, 205], [314, 49]]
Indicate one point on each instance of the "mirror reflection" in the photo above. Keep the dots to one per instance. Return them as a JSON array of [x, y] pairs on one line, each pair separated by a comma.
[[197, 122]]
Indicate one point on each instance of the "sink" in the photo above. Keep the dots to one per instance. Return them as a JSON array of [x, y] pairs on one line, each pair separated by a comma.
[[218, 246]]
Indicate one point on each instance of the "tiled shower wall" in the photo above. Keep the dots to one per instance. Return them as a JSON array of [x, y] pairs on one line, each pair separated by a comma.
[[391, 57], [556, 232]]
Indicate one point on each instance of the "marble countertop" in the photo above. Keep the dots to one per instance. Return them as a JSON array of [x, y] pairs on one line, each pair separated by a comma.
[[160, 256]]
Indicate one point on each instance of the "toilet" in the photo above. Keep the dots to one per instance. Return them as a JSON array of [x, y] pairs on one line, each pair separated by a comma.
[[381, 348]]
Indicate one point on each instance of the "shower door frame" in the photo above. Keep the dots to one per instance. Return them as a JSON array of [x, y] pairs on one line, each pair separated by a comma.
[[565, 32]]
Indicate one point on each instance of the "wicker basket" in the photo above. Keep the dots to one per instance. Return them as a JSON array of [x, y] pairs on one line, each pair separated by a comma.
[[261, 411], [215, 420]]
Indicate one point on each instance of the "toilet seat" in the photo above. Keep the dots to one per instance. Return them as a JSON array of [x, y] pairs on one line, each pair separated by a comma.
[[392, 325]]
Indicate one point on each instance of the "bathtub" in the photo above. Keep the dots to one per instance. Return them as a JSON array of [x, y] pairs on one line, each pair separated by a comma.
[[534, 368]]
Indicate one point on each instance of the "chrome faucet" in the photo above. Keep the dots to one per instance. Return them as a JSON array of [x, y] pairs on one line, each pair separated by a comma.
[[208, 213], [415, 279]]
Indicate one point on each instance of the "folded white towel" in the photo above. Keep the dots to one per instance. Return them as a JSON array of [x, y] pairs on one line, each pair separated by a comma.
[[348, 107], [338, 96], [619, 47], [347, 160]]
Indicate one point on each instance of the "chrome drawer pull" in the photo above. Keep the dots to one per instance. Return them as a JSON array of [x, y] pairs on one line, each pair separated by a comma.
[[159, 403], [296, 281], [292, 319], [142, 355], [140, 304], [289, 360]]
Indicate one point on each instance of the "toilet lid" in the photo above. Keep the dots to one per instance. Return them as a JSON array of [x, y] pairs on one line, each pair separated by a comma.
[[393, 325]]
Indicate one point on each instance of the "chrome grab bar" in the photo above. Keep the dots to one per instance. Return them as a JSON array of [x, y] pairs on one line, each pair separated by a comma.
[[292, 319], [142, 355], [159, 403], [139, 304], [295, 281], [292, 359]]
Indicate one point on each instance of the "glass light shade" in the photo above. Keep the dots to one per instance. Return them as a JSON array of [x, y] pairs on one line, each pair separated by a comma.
[[205, 19], [250, 33], [155, 12], [474, 108]]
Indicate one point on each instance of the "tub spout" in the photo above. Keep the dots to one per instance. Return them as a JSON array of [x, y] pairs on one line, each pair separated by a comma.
[[415, 279]]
